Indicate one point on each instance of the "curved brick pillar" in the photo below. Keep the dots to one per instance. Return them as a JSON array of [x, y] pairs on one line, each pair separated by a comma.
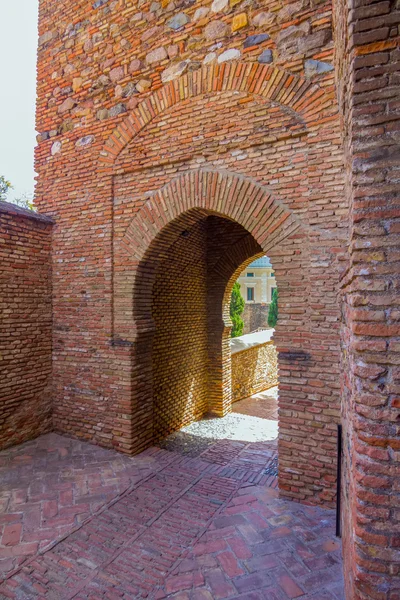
[[226, 260]]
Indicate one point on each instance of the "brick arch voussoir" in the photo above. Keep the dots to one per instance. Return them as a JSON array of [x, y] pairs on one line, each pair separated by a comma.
[[211, 192], [271, 83]]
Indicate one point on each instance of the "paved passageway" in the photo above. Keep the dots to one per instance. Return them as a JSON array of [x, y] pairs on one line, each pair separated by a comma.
[[198, 518]]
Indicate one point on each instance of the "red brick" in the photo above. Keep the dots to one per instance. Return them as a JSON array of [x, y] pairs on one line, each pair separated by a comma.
[[25, 305], [229, 564], [11, 534], [290, 587]]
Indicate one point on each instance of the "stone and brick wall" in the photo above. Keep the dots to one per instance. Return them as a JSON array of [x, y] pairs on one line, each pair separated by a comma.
[[25, 325], [368, 74], [254, 370], [154, 116]]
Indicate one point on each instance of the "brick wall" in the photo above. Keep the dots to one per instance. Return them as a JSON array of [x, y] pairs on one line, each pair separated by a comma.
[[255, 316], [152, 117], [180, 374], [254, 370], [368, 64], [149, 112], [25, 325]]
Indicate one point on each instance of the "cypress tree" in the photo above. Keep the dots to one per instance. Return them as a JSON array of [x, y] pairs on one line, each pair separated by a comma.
[[273, 309], [236, 310]]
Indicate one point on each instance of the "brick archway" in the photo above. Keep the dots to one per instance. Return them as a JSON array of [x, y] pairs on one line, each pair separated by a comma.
[[290, 227], [254, 223]]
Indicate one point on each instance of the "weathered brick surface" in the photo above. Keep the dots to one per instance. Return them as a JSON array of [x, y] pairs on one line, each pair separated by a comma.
[[51, 485], [157, 121], [179, 308], [25, 325], [369, 91]]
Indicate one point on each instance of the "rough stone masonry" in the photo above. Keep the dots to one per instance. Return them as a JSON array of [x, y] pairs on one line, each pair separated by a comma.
[[196, 136]]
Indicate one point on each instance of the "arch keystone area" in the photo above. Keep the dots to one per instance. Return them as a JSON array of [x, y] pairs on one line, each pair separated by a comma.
[[269, 82], [228, 194]]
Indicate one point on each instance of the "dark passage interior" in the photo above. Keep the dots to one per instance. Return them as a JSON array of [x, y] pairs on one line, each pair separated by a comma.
[[194, 263]]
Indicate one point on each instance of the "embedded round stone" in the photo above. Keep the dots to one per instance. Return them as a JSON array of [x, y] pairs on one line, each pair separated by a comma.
[[87, 140], [201, 13], [129, 90], [239, 21], [55, 148], [77, 83], [216, 30], [209, 58], [174, 71], [173, 50], [316, 67], [116, 74], [118, 109], [135, 66], [219, 5], [292, 32], [143, 85], [68, 104], [231, 54], [151, 33], [178, 21], [254, 40], [265, 57], [264, 19], [287, 12], [102, 114], [156, 55]]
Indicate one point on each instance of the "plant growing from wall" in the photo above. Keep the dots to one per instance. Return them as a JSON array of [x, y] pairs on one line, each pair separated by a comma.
[[24, 201], [236, 311], [5, 187], [273, 309]]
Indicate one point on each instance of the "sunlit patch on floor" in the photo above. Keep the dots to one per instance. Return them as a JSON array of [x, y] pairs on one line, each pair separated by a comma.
[[253, 420], [245, 428]]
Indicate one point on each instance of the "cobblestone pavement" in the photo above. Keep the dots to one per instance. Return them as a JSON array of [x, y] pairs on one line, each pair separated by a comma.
[[87, 523]]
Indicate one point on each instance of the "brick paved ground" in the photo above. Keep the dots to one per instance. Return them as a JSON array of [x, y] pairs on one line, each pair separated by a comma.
[[263, 405], [159, 525], [52, 484]]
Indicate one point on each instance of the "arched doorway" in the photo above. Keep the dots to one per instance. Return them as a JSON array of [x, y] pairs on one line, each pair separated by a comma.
[[275, 191], [192, 262], [215, 222]]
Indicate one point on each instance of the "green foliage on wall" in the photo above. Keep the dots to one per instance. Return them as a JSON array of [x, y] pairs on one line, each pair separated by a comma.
[[5, 187]]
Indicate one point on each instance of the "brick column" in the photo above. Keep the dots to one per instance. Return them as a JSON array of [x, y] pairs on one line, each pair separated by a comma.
[[367, 66]]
